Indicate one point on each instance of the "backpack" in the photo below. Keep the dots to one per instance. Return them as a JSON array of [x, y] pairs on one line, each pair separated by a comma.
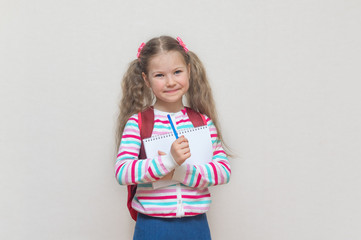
[[146, 124]]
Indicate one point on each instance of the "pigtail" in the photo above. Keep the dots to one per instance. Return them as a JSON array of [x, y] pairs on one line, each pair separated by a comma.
[[136, 96], [199, 95]]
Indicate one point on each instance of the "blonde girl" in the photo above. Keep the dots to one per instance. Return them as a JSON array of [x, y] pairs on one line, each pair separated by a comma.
[[164, 73]]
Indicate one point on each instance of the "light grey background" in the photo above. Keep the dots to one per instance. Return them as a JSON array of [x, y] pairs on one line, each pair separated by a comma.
[[286, 80]]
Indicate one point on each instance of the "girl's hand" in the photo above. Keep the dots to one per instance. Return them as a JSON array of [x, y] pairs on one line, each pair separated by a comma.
[[169, 175], [180, 150]]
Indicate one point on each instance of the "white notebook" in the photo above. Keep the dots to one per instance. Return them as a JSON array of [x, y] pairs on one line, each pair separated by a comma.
[[200, 144]]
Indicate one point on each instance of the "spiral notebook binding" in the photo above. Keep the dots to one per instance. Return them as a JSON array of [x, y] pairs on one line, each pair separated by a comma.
[[181, 132]]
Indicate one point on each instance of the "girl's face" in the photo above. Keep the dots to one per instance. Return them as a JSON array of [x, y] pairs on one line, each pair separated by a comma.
[[168, 77]]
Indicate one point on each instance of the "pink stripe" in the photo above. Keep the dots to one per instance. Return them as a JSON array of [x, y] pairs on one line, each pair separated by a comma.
[[155, 133], [136, 131], [203, 176], [195, 190], [183, 121], [158, 197], [198, 180], [152, 174], [134, 119], [220, 171], [160, 191], [130, 148], [215, 173], [162, 214], [118, 169], [191, 213], [136, 205], [160, 116], [125, 152], [220, 151], [131, 136], [126, 175], [146, 178], [196, 196], [187, 173], [214, 135], [222, 162], [161, 209], [160, 121], [196, 208], [133, 171], [162, 165]]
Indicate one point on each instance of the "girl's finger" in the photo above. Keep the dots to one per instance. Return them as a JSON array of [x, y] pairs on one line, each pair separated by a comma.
[[161, 153]]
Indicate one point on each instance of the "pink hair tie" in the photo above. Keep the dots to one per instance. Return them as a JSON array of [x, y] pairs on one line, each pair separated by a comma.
[[182, 44], [140, 49]]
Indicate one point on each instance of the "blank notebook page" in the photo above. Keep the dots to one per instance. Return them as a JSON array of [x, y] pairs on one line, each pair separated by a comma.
[[200, 144]]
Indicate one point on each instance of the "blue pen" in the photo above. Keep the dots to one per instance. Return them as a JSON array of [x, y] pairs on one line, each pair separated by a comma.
[[172, 125]]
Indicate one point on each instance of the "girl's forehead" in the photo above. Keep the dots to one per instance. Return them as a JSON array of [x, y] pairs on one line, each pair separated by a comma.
[[166, 59]]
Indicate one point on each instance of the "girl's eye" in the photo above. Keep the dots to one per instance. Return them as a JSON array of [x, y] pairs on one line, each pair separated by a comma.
[[177, 72], [159, 75]]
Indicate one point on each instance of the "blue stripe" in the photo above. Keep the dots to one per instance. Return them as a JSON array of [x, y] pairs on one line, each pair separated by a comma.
[[131, 124], [159, 203], [131, 142], [125, 157], [156, 168], [120, 174], [140, 163], [198, 202], [219, 157], [185, 126], [162, 127]]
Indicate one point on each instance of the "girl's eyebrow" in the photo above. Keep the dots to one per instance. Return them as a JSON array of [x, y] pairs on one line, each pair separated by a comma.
[[161, 71]]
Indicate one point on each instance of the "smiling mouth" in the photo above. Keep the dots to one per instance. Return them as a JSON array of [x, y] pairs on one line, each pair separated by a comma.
[[172, 91]]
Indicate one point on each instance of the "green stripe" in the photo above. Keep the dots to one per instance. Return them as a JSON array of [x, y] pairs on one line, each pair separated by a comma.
[[146, 185]]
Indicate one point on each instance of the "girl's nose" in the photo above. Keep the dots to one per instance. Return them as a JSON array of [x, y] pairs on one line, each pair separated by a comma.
[[170, 81]]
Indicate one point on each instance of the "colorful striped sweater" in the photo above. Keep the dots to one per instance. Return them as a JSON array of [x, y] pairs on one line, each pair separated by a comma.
[[188, 198]]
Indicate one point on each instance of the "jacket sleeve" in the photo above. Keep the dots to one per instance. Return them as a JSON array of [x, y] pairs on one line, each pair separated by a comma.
[[216, 172], [131, 170]]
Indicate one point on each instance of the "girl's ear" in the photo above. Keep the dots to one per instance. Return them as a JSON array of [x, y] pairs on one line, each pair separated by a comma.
[[189, 69], [145, 79]]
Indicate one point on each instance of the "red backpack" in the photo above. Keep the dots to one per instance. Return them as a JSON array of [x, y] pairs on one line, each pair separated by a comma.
[[146, 124]]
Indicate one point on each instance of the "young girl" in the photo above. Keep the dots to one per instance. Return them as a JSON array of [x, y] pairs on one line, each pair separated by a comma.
[[166, 70]]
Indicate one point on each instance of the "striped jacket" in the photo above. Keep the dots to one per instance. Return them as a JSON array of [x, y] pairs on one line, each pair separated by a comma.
[[189, 197]]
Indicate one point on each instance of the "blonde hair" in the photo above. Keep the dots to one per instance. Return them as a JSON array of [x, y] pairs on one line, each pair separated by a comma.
[[137, 96]]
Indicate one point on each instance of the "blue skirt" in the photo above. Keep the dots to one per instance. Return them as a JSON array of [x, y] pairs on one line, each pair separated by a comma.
[[149, 228]]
